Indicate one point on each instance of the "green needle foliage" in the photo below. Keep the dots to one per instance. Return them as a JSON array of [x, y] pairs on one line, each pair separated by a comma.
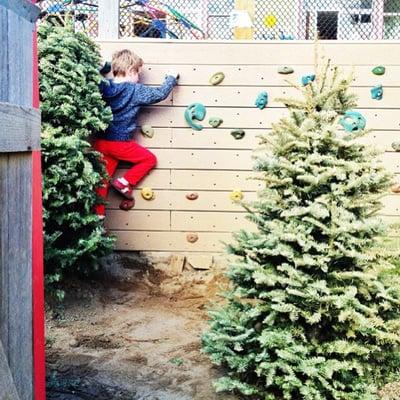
[[72, 110], [309, 314]]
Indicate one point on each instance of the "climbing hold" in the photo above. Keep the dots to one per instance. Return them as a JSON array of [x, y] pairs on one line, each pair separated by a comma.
[[262, 100], [352, 121], [217, 78], [192, 237], [379, 70], [236, 195], [215, 122], [147, 131], [306, 79], [127, 204], [285, 70], [195, 111], [395, 188], [192, 196], [396, 145], [147, 193], [377, 92], [238, 133]]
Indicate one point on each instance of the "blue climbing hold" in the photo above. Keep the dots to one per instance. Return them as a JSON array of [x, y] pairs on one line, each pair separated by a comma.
[[377, 92], [306, 79], [262, 100], [353, 121]]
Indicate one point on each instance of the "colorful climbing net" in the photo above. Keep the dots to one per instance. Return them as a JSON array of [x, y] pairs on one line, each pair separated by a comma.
[[143, 18]]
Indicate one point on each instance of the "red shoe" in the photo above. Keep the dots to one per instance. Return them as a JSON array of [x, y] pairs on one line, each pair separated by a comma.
[[125, 190]]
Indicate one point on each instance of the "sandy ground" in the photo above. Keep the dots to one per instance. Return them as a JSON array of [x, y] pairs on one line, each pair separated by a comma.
[[133, 334]]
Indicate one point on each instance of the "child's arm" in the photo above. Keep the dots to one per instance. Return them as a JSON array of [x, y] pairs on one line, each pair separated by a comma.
[[149, 95]]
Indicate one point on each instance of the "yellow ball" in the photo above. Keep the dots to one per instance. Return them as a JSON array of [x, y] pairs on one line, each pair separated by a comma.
[[147, 193], [270, 21]]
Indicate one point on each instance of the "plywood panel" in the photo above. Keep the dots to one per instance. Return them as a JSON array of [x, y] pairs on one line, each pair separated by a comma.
[[210, 221], [254, 118], [259, 53], [170, 241], [214, 180], [245, 96], [176, 200], [138, 220], [244, 75], [212, 138]]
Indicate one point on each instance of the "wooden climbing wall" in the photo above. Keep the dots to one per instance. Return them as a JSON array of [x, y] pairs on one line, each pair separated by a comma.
[[211, 162]]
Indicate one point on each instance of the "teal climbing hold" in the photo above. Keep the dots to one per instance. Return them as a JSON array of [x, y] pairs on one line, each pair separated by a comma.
[[306, 79], [353, 121], [195, 111], [377, 92], [378, 70], [215, 122], [285, 70], [238, 133], [262, 100]]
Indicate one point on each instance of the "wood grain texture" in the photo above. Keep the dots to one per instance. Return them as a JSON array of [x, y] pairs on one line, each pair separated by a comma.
[[19, 128], [8, 390]]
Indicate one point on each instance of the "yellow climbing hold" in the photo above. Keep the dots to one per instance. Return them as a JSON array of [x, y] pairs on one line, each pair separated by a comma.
[[236, 195], [147, 193]]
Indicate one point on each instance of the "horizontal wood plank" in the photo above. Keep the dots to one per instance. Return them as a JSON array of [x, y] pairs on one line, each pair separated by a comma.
[[256, 52], [19, 128], [138, 220], [170, 241]]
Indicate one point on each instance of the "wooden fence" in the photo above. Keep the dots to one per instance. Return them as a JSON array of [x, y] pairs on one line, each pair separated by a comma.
[[19, 137], [211, 162]]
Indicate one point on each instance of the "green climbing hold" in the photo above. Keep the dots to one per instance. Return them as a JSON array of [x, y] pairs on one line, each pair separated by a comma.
[[215, 122], [285, 70], [238, 133], [379, 70], [147, 131], [396, 145], [195, 111], [217, 78]]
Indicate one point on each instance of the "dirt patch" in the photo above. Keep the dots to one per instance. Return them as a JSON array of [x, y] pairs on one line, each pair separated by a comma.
[[133, 335]]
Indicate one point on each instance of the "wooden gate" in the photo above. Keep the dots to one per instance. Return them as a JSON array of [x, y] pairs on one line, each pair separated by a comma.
[[19, 138]]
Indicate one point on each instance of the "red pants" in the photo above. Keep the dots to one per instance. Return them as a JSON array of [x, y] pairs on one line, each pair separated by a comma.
[[113, 152]]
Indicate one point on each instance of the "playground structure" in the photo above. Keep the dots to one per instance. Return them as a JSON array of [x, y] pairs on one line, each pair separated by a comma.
[[21, 270], [269, 19], [200, 171]]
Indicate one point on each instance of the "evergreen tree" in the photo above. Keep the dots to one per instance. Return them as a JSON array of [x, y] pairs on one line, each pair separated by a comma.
[[309, 314], [72, 110]]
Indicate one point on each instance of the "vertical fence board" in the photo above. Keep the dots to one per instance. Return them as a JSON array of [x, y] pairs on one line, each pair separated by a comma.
[[16, 212], [19, 271]]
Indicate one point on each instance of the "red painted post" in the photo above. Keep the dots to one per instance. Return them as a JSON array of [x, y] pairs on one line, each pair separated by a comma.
[[39, 378]]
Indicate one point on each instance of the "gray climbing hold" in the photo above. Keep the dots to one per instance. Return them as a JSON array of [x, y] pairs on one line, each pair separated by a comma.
[[285, 70], [147, 131], [215, 122], [396, 145], [238, 133]]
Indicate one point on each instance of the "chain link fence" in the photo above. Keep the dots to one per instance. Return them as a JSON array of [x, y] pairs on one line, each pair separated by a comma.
[[215, 20]]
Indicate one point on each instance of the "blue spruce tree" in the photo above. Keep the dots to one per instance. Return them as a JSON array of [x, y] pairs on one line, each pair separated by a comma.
[[309, 313]]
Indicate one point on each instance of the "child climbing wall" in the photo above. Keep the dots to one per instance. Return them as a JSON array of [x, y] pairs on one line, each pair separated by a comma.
[[201, 175]]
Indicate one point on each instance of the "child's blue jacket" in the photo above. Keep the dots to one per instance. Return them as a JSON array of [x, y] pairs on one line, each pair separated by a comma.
[[125, 100]]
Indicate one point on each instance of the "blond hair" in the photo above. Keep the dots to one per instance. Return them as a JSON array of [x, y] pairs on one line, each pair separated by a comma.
[[123, 61]]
